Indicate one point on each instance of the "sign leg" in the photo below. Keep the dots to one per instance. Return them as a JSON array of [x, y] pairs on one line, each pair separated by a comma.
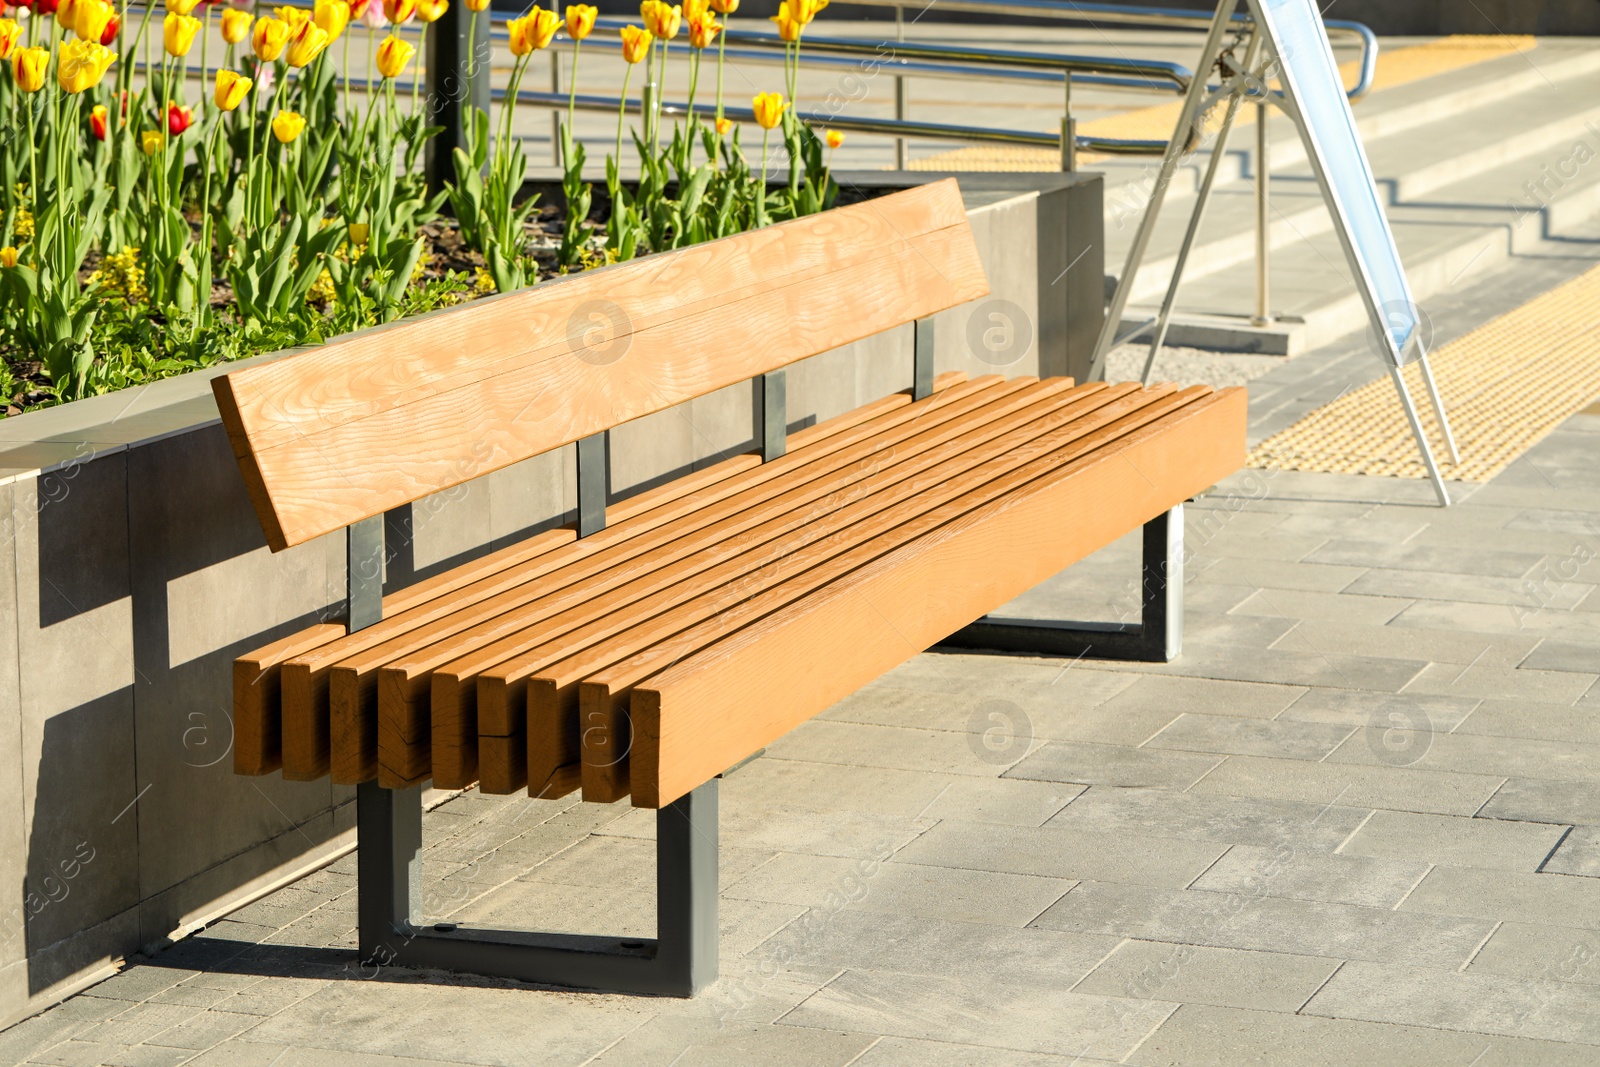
[[1438, 409], [1422, 438]]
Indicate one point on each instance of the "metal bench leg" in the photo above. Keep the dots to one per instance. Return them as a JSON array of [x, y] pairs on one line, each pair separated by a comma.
[[680, 961], [1157, 637]]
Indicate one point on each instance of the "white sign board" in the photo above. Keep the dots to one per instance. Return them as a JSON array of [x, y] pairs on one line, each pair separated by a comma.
[[1312, 83]]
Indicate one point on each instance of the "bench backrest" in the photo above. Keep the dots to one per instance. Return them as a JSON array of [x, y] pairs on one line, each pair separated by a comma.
[[340, 433]]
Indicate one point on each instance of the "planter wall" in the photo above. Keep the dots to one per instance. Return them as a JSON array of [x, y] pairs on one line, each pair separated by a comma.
[[132, 571]]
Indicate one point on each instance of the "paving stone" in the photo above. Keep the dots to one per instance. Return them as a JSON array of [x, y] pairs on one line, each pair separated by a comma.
[[1440, 646], [1383, 528], [1191, 974], [1256, 921], [836, 939], [863, 745], [1445, 839], [909, 1052], [1478, 1003], [200, 1032], [681, 1041], [1307, 875], [1172, 695], [1085, 764], [1292, 668], [1563, 656], [1539, 800], [1273, 574], [1430, 713], [253, 1054], [1578, 853], [1526, 718], [1513, 614], [1507, 683], [1545, 953], [1398, 788], [1248, 737], [101, 1054], [1002, 800], [138, 1024], [1202, 630], [1523, 757], [1200, 1035], [1032, 1018], [1190, 816], [626, 864], [907, 888], [1460, 588], [1056, 852], [1283, 545], [1426, 558], [139, 983], [1478, 892]]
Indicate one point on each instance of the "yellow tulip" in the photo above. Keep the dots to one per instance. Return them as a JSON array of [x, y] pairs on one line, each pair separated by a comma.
[[83, 64], [661, 20], [67, 14], [723, 126], [703, 29], [635, 43], [8, 256], [307, 45], [150, 142], [724, 7], [178, 31], [580, 20], [232, 88], [806, 10], [181, 7], [9, 33], [534, 31], [835, 138], [287, 125], [769, 108], [789, 27], [399, 11], [293, 17], [236, 25], [431, 11], [92, 19], [393, 55], [269, 37], [476, 6], [359, 232], [30, 67], [332, 16]]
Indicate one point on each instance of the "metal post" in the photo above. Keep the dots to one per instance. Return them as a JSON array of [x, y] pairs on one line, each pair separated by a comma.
[[1422, 438], [1069, 128], [1202, 200], [1263, 315], [922, 360], [772, 407], [388, 870], [687, 934], [1169, 165], [451, 91], [899, 91], [1438, 406], [364, 573], [593, 483], [1156, 638]]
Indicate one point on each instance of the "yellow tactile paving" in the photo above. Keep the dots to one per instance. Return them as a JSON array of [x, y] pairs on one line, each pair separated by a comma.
[[1505, 386], [1398, 67]]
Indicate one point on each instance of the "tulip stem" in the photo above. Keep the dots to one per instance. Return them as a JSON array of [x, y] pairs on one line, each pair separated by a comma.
[[722, 44], [622, 111], [422, 57], [345, 63]]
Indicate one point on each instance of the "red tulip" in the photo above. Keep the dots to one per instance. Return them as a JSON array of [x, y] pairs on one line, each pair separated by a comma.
[[179, 119], [45, 7], [97, 122], [111, 30]]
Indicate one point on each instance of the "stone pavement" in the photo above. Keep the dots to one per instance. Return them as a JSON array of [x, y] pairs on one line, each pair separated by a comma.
[[1357, 822]]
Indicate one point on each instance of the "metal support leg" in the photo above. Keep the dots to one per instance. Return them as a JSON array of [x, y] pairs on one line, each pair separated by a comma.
[[922, 360], [680, 961], [772, 411], [1263, 315], [1156, 638], [363, 542], [899, 92], [1438, 409], [1422, 438], [1187, 118], [592, 484]]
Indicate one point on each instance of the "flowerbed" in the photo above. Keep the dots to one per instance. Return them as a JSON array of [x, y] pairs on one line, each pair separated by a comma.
[[150, 230]]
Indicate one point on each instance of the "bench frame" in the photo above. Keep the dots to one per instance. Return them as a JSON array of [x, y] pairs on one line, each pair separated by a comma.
[[683, 958]]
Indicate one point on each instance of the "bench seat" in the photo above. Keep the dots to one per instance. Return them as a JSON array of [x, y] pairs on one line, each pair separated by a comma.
[[562, 663]]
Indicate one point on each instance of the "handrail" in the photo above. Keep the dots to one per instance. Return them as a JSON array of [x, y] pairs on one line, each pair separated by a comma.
[[1161, 17]]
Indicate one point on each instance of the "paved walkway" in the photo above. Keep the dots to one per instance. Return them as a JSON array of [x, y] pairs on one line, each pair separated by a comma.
[[1357, 822]]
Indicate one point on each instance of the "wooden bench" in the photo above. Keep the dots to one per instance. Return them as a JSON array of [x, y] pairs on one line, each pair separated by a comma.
[[663, 638]]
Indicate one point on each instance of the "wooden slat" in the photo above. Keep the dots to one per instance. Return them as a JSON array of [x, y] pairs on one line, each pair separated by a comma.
[[733, 561], [329, 696], [718, 705], [404, 732], [327, 437], [606, 677]]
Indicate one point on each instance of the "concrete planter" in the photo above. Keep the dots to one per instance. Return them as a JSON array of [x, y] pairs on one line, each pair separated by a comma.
[[134, 572]]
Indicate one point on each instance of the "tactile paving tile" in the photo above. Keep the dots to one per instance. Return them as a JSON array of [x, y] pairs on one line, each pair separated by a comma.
[[1505, 385]]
